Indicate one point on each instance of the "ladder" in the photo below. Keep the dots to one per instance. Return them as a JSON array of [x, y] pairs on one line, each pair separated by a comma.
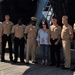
[[48, 10]]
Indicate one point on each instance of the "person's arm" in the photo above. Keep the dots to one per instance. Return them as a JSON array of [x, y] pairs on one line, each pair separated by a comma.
[[74, 28], [38, 38], [71, 32], [12, 33], [26, 33], [49, 37], [59, 36], [26, 36], [0, 35]]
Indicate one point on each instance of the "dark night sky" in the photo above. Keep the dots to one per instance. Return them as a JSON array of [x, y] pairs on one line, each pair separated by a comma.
[[27, 8], [19, 9], [65, 7]]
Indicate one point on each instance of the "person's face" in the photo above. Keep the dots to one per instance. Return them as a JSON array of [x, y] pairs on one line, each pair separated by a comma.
[[43, 25], [33, 23], [7, 17], [64, 21], [54, 21], [19, 22]]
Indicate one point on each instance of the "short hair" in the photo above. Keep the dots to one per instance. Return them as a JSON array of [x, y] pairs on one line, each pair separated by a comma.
[[65, 17], [7, 15], [54, 17]]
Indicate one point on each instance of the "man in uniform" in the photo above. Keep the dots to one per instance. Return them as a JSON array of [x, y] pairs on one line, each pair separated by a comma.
[[0, 40], [19, 41], [55, 31], [6, 37], [73, 69], [31, 31], [67, 36]]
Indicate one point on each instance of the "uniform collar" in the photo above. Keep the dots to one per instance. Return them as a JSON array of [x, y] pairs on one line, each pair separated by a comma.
[[54, 25], [7, 22], [66, 25]]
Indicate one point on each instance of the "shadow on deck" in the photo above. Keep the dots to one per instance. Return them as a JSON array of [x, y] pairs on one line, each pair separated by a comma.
[[6, 68], [46, 70]]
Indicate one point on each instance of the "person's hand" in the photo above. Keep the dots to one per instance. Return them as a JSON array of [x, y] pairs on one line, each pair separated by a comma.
[[25, 41], [50, 43], [38, 44], [56, 43], [71, 37]]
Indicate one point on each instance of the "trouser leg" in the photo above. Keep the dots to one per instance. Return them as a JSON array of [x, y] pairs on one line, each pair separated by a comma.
[[28, 51], [4, 39], [52, 53], [16, 45], [10, 47], [67, 53], [33, 49], [58, 55], [22, 50]]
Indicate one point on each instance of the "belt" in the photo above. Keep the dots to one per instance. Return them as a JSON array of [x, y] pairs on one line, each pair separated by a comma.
[[31, 38], [65, 39], [19, 37], [7, 34], [54, 38]]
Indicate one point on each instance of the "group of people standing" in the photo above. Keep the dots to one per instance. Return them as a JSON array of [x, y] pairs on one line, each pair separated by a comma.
[[45, 37], [18, 34], [51, 37]]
